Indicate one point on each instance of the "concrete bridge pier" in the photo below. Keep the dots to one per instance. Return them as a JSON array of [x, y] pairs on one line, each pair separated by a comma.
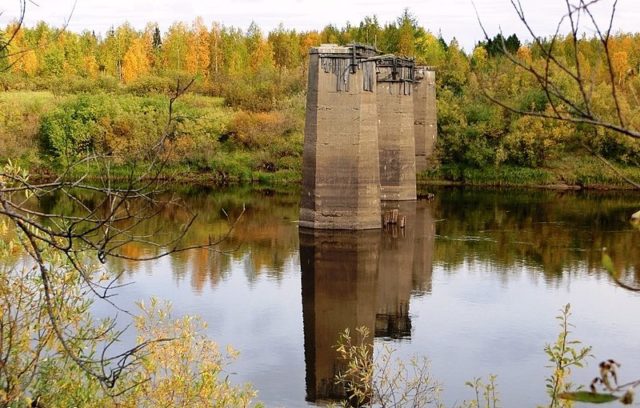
[[340, 176], [426, 128], [396, 139]]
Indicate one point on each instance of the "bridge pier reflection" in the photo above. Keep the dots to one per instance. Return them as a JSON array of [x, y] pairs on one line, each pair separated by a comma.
[[424, 230], [396, 266], [360, 278], [339, 274]]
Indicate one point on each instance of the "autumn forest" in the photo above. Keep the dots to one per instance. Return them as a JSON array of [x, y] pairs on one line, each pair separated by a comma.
[[68, 93], [150, 218]]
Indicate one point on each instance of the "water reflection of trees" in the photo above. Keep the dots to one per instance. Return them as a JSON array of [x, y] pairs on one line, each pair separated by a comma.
[[550, 232], [265, 239]]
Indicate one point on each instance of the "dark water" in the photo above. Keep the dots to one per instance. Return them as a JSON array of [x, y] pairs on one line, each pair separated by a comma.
[[473, 282]]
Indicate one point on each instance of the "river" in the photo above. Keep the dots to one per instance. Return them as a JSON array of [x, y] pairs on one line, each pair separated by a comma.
[[473, 282]]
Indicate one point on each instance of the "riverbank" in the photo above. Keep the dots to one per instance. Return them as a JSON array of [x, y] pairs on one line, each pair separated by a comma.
[[207, 141], [580, 178], [583, 172], [214, 144]]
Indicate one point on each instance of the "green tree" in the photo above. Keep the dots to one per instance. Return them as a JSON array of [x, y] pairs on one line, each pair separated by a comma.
[[285, 48], [175, 47], [157, 37], [407, 33]]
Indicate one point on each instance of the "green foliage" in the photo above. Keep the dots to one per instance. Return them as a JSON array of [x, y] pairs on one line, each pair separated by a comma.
[[4, 51], [588, 397], [258, 73], [534, 100], [532, 142], [564, 354], [231, 167], [384, 381], [505, 175], [73, 129], [151, 84], [180, 365], [39, 128], [495, 46], [19, 121], [486, 395], [126, 126]]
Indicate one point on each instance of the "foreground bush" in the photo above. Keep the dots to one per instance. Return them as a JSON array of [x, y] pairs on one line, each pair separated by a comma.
[[179, 366]]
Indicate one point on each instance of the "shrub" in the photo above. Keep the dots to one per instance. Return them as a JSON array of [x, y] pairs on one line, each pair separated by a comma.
[[126, 127], [532, 141], [257, 129], [71, 129], [150, 84], [19, 121], [232, 166]]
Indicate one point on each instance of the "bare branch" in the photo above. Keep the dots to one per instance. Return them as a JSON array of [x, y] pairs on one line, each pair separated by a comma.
[[551, 71]]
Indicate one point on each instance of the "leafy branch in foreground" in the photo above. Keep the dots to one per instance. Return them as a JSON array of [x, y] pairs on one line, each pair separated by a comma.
[[607, 380], [486, 394], [564, 354], [36, 369], [384, 381], [610, 389]]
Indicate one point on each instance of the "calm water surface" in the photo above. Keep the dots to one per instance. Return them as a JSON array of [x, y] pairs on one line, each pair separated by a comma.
[[473, 282]]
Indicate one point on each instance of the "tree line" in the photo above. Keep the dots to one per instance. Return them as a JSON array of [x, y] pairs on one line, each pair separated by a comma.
[[259, 72], [248, 67]]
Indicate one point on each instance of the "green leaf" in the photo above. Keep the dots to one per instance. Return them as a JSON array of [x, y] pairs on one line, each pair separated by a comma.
[[586, 396], [607, 264]]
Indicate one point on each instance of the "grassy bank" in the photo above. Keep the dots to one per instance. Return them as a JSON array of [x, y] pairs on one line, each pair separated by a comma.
[[214, 144], [208, 141], [237, 169], [577, 172]]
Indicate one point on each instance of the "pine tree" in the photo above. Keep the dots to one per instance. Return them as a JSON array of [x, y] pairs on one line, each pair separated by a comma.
[[157, 38]]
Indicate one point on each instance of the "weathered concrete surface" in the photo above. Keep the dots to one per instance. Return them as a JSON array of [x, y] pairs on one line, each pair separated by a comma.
[[396, 141], [339, 277], [341, 177], [425, 116]]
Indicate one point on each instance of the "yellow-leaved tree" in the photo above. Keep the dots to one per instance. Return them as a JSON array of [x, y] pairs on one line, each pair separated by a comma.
[[136, 61], [22, 58], [198, 55]]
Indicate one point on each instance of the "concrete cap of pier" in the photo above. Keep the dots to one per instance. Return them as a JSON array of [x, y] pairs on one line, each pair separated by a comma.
[[330, 49], [362, 50]]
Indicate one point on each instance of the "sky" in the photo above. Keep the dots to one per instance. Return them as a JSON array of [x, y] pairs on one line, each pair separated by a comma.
[[452, 18]]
